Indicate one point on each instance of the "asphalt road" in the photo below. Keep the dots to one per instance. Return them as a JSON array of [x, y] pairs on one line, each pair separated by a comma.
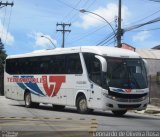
[[17, 120]]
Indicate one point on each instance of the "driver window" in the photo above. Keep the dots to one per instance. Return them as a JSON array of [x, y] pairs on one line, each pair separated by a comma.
[[93, 66], [96, 71]]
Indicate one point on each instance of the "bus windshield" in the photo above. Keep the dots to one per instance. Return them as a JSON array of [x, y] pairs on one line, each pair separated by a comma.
[[126, 73]]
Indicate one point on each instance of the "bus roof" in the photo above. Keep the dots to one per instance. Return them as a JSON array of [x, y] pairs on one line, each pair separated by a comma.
[[100, 50]]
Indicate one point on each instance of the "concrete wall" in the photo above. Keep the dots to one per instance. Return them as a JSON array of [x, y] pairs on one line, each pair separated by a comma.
[[154, 66]]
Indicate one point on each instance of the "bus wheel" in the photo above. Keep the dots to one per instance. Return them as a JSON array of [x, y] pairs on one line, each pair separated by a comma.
[[82, 105], [119, 112], [58, 107], [28, 101]]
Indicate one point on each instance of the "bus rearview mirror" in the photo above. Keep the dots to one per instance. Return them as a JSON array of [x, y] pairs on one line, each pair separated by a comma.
[[103, 62]]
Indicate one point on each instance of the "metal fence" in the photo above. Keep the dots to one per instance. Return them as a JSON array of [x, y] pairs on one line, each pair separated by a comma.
[[1, 85]]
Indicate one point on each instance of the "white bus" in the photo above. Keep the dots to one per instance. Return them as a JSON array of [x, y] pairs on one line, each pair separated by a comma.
[[89, 77]]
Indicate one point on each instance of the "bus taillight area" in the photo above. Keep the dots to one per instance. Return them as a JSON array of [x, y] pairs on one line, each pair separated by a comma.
[[119, 101]]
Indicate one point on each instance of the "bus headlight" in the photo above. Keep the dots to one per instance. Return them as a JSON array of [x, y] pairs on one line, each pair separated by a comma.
[[111, 97]]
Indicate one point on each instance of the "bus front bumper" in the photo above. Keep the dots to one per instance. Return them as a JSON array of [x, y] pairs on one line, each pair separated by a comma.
[[113, 103]]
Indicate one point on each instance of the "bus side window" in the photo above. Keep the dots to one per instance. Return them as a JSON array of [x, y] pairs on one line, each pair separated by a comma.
[[16, 67], [57, 64], [10, 66], [74, 64], [51, 66]]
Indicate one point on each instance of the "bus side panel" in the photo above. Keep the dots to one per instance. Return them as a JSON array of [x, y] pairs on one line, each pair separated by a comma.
[[76, 84], [49, 89], [71, 89], [65, 95], [45, 99], [11, 89]]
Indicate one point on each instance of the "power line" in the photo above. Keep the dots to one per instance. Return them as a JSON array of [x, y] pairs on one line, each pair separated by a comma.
[[88, 34], [104, 40], [74, 17], [90, 4], [91, 33], [146, 29], [87, 1], [2, 6], [146, 17], [112, 35], [70, 6], [111, 42], [108, 40], [155, 0], [66, 4], [71, 11], [85, 8], [140, 25], [85, 11]]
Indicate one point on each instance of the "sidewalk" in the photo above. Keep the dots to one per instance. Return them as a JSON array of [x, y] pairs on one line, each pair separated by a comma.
[[151, 109]]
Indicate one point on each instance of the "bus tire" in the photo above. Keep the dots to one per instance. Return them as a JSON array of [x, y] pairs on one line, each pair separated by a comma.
[[58, 107], [82, 105], [119, 113], [28, 101]]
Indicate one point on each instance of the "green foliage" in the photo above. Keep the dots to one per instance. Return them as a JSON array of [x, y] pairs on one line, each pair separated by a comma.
[[3, 56]]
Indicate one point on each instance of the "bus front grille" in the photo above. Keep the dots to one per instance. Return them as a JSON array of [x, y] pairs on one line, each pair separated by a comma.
[[129, 106], [127, 96]]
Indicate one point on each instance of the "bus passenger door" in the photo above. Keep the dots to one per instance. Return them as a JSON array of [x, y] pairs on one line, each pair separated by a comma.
[[95, 65], [95, 96], [99, 67], [95, 77]]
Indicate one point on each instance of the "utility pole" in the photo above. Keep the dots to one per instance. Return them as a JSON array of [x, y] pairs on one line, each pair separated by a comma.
[[63, 30], [119, 31], [6, 4], [3, 5]]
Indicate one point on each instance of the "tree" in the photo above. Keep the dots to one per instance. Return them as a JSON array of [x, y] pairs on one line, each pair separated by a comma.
[[3, 56]]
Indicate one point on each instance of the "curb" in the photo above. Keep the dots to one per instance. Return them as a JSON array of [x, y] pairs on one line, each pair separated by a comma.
[[150, 110]]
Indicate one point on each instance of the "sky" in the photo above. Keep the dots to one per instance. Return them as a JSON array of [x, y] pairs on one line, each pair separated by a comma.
[[22, 25]]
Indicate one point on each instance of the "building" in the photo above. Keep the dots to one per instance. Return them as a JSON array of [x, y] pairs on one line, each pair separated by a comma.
[[153, 58], [151, 55]]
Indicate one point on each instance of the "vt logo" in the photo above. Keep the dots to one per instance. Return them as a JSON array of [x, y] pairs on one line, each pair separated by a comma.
[[128, 90], [53, 89]]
